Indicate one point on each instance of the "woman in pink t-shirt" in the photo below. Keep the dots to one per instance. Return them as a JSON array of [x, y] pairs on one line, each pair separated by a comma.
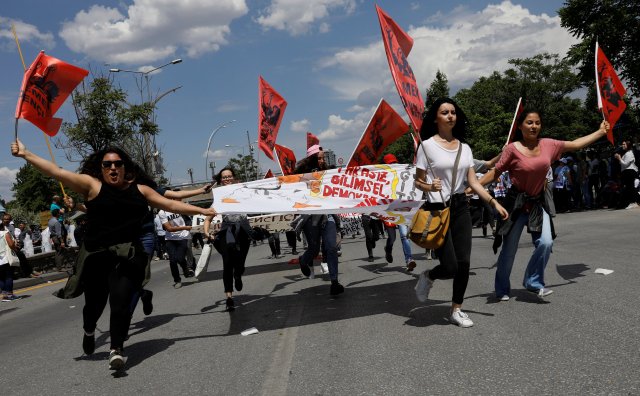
[[528, 160]]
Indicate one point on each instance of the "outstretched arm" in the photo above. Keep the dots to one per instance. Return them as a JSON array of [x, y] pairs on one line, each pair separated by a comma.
[[188, 193], [82, 184], [585, 141], [158, 201]]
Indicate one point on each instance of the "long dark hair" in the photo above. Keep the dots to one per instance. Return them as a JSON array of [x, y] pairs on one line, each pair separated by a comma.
[[309, 164], [92, 165], [530, 110], [429, 127]]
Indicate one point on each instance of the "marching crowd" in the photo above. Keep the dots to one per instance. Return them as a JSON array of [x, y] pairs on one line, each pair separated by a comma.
[[525, 185]]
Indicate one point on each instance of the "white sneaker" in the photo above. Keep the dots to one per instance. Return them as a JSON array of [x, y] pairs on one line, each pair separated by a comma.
[[324, 267], [460, 318], [542, 293], [632, 205], [423, 286], [312, 275], [504, 298]]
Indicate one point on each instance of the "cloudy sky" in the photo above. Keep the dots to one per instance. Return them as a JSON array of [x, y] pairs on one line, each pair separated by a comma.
[[325, 57]]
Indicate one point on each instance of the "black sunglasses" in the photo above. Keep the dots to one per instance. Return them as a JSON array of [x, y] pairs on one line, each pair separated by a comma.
[[117, 163]]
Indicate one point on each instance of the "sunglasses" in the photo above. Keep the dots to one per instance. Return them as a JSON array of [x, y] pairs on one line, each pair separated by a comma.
[[117, 163]]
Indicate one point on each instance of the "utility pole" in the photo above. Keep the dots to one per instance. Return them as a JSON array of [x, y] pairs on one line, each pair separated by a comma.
[[212, 165], [190, 172], [253, 161]]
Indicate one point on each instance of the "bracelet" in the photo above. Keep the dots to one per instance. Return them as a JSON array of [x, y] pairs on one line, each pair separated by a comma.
[[492, 199]]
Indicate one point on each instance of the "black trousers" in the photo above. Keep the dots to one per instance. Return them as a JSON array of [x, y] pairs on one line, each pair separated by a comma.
[[107, 276], [25, 267], [291, 239], [629, 191], [370, 233], [233, 258], [455, 253], [177, 250]]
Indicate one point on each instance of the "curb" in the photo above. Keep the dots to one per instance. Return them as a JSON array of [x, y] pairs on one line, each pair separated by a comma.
[[23, 283]]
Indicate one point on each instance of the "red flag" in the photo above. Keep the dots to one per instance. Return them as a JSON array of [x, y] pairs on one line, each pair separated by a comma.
[[271, 110], [514, 126], [385, 127], [397, 45], [45, 86], [312, 140], [268, 175], [286, 159], [610, 91]]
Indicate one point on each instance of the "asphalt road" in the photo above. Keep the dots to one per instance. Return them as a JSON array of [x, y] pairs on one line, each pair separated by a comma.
[[374, 339]]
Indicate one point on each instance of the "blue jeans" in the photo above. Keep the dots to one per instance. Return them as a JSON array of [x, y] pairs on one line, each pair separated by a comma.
[[534, 274], [328, 233], [148, 241], [406, 247]]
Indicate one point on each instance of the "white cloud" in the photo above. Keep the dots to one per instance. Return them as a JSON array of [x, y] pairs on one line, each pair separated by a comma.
[[26, 33], [216, 154], [7, 178], [152, 29], [465, 47], [300, 16], [229, 107], [300, 126]]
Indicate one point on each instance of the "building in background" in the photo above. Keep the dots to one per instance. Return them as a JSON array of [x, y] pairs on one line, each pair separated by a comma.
[[330, 158]]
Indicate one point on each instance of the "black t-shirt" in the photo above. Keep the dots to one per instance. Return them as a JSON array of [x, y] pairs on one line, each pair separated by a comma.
[[115, 216]]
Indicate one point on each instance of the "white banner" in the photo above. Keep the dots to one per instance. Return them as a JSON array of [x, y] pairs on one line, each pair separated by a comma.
[[384, 191]]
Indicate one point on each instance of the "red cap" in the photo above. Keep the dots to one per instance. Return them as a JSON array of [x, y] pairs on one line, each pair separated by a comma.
[[390, 159]]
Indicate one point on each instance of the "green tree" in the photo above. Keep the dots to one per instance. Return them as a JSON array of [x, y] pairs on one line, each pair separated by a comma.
[[20, 213], [544, 83], [105, 118], [439, 88], [33, 190], [245, 167], [615, 25]]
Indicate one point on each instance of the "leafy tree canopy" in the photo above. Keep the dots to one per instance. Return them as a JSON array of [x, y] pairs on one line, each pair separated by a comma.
[[615, 25]]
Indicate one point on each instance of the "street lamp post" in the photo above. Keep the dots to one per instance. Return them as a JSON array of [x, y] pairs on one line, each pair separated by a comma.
[[152, 102], [206, 162]]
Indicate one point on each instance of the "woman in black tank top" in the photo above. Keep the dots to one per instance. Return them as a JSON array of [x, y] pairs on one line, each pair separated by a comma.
[[111, 261]]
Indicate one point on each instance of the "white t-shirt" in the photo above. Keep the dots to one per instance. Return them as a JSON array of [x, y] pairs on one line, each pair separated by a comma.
[[175, 220], [442, 161], [158, 225]]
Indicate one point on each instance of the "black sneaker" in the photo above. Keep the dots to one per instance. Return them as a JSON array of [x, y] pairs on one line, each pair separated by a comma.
[[238, 283], [294, 252], [88, 344], [116, 361], [190, 274], [147, 303], [388, 256], [371, 259], [304, 267], [231, 305], [336, 288]]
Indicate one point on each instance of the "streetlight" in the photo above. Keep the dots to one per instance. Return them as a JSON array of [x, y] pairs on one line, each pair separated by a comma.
[[145, 74], [206, 162]]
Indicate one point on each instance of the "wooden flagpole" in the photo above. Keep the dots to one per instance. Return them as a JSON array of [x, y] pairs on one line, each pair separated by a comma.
[[46, 138]]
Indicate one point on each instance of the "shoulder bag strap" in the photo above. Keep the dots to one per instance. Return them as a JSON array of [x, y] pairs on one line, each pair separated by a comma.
[[455, 171], [455, 168]]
